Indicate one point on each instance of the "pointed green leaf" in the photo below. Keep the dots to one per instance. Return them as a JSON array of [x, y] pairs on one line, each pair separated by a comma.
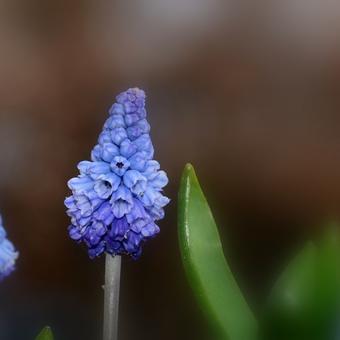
[[207, 270], [45, 334]]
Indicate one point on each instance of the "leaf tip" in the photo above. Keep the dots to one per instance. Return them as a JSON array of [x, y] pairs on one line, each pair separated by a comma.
[[45, 334], [188, 168], [189, 174]]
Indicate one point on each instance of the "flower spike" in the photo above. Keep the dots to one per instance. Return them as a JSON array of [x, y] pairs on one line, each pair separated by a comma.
[[117, 197], [8, 254]]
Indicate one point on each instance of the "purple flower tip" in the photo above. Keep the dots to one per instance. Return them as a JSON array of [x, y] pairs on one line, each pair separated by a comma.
[[117, 196]]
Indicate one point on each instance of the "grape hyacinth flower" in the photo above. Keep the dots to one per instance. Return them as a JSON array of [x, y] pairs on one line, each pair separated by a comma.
[[117, 197], [8, 254]]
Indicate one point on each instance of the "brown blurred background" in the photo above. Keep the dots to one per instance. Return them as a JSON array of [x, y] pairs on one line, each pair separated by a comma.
[[248, 91]]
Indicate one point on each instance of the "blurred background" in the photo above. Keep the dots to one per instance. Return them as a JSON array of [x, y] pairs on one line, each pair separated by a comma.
[[248, 91]]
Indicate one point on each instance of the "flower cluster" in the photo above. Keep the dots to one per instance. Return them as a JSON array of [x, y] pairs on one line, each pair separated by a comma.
[[8, 255], [117, 198]]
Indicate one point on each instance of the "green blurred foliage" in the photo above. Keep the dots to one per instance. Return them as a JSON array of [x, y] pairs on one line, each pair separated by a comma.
[[45, 334], [304, 303]]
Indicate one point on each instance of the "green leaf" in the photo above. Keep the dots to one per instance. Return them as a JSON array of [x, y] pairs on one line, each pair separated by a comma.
[[292, 302], [208, 272], [304, 301], [328, 297], [45, 334]]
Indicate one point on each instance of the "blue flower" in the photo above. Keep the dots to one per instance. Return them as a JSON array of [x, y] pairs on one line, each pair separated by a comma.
[[117, 196], [8, 254]]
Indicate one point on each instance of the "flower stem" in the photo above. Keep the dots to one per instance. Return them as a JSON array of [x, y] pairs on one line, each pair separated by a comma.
[[111, 298]]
